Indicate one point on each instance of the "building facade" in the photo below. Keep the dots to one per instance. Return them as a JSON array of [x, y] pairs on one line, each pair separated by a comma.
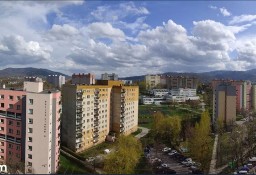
[[107, 76], [90, 112], [56, 80], [152, 81], [244, 92], [175, 82], [83, 79], [224, 104], [27, 119]]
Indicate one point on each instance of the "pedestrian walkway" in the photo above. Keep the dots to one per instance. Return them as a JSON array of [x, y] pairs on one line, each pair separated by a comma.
[[144, 131], [214, 156]]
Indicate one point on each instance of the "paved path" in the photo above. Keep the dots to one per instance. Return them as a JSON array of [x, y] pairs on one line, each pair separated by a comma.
[[214, 156], [143, 132]]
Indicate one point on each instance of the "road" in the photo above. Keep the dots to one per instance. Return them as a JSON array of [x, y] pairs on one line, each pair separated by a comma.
[[143, 132]]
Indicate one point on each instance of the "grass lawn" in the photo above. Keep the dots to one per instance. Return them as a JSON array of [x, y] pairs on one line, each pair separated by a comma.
[[146, 112], [68, 166], [98, 149]]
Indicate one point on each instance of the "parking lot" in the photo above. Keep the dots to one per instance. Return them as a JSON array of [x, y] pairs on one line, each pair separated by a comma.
[[171, 161]]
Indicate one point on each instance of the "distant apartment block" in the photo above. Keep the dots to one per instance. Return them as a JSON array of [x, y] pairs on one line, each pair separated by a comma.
[[90, 112], [152, 81], [181, 82], [29, 127], [107, 76], [56, 80], [182, 95], [83, 79], [224, 103], [127, 82], [244, 92]]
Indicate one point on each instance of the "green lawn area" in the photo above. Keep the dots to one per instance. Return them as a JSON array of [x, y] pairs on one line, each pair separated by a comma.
[[98, 149], [146, 112], [68, 166]]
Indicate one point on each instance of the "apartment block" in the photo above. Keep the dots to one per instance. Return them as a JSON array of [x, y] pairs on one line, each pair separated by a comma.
[[12, 117], [243, 92], [56, 80], [173, 82], [152, 81], [29, 127], [224, 103], [83, 79], [43, 132], [90, 112], [107, 76]]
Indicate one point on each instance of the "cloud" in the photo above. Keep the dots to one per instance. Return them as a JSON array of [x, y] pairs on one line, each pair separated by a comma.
[[213, 7], [119, 12], [17, 50], [242, 19], [224, 12], [102, 30], [62, 32]]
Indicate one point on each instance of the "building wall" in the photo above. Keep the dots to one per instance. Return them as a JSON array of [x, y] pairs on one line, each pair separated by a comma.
[[69, 102], [56, 80], [152, 81], [94, 111], [253, 97], [33, 86], [83, 79], [42, 126], [11, 126]]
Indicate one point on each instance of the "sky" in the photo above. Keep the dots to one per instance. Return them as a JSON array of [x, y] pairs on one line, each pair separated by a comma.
[[128, 37]]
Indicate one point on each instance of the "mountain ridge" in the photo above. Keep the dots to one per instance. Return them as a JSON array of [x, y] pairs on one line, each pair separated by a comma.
[[208, 76]]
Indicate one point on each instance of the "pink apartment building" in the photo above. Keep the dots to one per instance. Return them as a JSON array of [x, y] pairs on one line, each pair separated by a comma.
[[30, 127]]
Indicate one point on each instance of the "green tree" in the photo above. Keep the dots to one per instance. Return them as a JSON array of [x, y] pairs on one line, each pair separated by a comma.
[[125, 158], [199, 144], [169, 130]]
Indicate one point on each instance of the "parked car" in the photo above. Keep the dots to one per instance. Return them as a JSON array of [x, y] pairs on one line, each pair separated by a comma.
[[172, 152], [166, 149]]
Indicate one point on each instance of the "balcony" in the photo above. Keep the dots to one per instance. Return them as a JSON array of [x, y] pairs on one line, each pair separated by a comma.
[[123, 90], [78, 136], [121, 130], [95, 135], [11, 114], [78, 140], [3, 113], [121, 125], [96, 129]]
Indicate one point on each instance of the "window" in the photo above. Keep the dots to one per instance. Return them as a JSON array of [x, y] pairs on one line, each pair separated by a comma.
[[10, 122], [10, 153], [18, 155], [2, 105], [29, 163], [2, 121], [30, 156], [2, 96], [10, 145], [2, 143], [10, 97], [30, 148], [2, 129], [18, 123], [18, 98], [18, 132], [31, 101], [17, 147], [30, 111], [10, 131], [30, 121], [30, 139], [18, 107], [11, 106], [30, 130]]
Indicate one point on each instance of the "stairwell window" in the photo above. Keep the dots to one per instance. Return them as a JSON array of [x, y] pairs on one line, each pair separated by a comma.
[[30, 111], [31, 101]]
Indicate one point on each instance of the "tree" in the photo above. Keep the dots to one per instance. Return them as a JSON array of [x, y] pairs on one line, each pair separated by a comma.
[[125, 158], [199, 144], [169, 130], [157, 118]]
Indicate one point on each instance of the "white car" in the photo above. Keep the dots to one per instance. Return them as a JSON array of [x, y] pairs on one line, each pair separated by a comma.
[[172, 152], [166, 149], [252, 159], [242, 172]]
